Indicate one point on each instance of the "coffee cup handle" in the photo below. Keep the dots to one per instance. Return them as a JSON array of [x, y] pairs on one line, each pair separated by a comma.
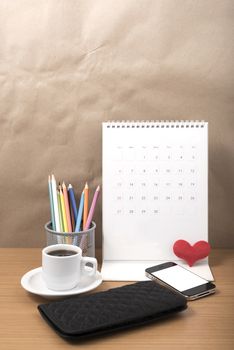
[[86, 270]]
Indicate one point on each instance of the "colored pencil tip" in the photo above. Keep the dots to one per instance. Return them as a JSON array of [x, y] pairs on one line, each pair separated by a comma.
[[98, 188], [86, 185], [69, 186]]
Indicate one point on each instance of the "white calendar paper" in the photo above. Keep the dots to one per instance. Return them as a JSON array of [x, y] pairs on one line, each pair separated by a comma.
[[154, 193]]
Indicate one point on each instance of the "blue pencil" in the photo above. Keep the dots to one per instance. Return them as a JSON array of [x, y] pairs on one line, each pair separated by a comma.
[[80, 212], [72, 201], [51, 204]]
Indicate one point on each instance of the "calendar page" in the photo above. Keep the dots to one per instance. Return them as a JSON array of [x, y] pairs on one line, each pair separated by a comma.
[[154, 188]]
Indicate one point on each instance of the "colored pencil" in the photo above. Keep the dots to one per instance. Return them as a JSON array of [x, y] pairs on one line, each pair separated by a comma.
[[60, 213], [72, 215], [92, 208], [65, 228], [51, 204], [79, 216], [55, 203], [72, 201], [86, 204], [67, 209]]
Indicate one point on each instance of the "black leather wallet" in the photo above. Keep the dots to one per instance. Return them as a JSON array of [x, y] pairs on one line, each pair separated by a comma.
[[115, 309]]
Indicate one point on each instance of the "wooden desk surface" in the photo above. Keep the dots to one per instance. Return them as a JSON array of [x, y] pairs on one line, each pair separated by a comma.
[[206, 324]]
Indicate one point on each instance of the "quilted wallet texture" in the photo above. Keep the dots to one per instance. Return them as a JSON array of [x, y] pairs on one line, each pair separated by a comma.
[[111, 310]]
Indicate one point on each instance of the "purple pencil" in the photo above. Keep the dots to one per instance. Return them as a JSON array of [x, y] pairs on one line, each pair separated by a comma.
[[92, 208]]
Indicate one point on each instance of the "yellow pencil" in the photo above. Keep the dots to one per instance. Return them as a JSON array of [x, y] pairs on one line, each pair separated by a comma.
[[86, 204], [63, 210], [60, 212]]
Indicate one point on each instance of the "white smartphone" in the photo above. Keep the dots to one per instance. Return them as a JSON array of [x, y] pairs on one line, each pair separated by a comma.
[[181, 280]]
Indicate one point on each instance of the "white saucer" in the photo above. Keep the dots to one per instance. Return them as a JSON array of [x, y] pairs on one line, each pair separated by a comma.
[[33, 282]]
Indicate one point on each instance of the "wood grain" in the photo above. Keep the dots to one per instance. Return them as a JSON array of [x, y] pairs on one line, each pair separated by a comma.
[[206, 324]]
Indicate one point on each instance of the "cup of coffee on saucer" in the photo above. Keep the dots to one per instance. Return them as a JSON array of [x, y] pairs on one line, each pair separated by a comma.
[[63, 266], [64, 272]]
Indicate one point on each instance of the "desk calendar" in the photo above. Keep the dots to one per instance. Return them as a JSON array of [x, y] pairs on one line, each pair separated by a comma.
[[154, 193]]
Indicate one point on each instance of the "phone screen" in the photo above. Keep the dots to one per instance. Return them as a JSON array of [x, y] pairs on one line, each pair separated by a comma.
[[179, 278]]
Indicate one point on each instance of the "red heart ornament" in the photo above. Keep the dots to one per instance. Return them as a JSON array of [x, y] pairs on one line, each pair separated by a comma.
[[191, 253]]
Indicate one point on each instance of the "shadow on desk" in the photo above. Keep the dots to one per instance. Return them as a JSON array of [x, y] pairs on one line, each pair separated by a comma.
[[216, 259]]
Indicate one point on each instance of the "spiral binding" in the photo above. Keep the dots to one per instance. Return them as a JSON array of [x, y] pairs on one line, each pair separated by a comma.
[[146, 124]]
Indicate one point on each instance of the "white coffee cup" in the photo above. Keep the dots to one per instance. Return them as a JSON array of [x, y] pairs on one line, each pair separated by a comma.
[[63, 271]]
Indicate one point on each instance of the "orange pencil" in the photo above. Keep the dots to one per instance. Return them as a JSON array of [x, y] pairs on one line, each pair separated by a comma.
[[86, 204], [67, 209]]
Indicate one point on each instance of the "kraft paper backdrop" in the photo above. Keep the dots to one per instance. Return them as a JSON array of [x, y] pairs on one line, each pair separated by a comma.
[[66, 66]]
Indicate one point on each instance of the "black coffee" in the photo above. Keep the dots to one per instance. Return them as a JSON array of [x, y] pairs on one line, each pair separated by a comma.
[[62, 252]]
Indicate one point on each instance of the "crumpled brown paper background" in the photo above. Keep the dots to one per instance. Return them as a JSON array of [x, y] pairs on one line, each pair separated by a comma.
[[66, 66]]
